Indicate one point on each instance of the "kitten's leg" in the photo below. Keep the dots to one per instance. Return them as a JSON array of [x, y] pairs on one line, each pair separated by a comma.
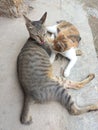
[[25, 116], [73, 84], [52, 57], [71, 55], [52, 29]]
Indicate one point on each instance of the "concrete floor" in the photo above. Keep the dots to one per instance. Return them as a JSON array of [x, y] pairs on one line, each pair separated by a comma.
[[91, 6], [51, 116]]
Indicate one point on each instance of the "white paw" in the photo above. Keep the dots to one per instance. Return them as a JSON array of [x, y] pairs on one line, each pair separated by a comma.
[[51, 61], [52, 36], [66, 73]]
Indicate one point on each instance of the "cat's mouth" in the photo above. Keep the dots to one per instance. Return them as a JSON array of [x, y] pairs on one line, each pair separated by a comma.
[[41, 41]]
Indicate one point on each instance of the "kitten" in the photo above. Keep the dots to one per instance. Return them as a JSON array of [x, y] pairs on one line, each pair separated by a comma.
[[36, 77], [65, 39]]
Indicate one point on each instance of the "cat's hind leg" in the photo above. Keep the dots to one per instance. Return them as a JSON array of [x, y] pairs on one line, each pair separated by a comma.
[[75, 110], [73, 84], [26, 118], [77, 85], [63, 97], [55, 92]]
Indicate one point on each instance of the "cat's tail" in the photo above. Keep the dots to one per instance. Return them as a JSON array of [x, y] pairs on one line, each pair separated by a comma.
[[55, 92]]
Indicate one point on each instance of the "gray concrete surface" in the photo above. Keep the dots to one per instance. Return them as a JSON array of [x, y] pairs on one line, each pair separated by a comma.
[[51, 116], [91, 6]]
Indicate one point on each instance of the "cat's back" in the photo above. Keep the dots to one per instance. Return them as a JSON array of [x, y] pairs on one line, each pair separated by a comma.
[[67, 28]]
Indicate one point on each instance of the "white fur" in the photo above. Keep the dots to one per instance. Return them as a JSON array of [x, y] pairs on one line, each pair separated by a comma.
[[52, 29], [52, 36], [70, 54], [52, 57]]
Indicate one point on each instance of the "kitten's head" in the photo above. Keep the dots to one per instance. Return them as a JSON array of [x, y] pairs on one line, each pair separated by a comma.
[[37, 29], [61, 43]]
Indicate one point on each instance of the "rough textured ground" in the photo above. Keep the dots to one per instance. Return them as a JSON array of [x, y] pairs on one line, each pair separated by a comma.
[[51, 116], [92, 11]]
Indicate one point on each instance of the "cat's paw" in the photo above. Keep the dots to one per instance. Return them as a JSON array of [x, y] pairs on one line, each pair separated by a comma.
[[26, 121], [66, 73], [91, 76], [79, 52]]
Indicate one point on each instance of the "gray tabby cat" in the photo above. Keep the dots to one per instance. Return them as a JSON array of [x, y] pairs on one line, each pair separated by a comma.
[[36, 78]]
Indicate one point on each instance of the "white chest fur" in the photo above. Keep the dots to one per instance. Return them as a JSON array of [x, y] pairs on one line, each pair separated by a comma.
[[71, 55]]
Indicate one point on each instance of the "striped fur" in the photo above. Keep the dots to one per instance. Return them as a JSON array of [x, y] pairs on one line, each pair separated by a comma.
[[36, 78]]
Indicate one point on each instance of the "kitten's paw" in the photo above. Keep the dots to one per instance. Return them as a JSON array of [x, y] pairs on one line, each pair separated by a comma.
[[79, 53], [66, 73], [26, 121]]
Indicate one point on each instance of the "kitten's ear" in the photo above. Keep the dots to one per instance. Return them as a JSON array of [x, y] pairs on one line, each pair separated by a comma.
[[58, 30], [43, 18], [26, 19]]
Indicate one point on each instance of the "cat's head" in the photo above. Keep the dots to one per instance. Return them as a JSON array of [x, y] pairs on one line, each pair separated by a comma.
[[61, 43], [37, 29]]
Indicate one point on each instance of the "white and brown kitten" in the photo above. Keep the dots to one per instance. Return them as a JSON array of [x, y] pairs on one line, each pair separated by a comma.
[[65, 38]]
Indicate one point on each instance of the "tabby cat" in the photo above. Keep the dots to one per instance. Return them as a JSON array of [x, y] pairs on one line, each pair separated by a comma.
[[36, 78]]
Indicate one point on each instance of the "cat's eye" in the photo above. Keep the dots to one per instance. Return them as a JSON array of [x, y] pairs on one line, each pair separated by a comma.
[[44, 34]]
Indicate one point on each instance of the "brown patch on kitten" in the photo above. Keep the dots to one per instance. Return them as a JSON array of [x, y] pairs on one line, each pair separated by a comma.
[[68, 36]]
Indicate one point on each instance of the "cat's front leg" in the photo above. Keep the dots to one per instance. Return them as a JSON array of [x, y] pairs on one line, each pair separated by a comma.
[[71, 55]]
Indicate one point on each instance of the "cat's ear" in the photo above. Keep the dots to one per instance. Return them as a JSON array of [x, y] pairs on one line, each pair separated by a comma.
[[26, 19], [28, 23], [43, 18]]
